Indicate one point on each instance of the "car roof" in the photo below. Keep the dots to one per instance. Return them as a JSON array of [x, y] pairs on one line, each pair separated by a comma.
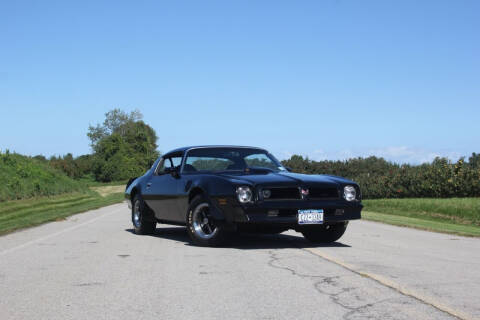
[[183, 149]]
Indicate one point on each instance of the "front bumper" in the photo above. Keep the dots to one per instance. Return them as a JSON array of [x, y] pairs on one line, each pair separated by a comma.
[[286, 212]]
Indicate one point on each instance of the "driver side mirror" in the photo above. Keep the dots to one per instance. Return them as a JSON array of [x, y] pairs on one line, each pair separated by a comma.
[[289, 169]]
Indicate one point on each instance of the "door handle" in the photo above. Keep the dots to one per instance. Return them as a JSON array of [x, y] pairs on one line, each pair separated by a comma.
[[149, 185]]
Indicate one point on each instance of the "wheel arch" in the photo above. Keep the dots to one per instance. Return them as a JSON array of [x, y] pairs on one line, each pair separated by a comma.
[[195, 191], [134, 192]]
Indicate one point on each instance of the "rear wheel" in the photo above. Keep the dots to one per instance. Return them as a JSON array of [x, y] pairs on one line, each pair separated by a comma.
[[324, 233], [142, 217], [201, 226]]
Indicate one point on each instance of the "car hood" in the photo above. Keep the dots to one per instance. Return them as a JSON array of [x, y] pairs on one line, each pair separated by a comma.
[[286, 179]]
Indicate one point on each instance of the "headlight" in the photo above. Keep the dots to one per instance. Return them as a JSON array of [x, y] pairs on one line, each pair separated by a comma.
[[349, 193], [244, 194]]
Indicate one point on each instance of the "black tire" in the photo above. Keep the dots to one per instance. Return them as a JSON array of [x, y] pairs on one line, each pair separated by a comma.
[[324, 233], [144, 222], [208, 232]]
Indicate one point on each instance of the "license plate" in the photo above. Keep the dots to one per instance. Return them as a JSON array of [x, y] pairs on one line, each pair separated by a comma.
[[311, 216]]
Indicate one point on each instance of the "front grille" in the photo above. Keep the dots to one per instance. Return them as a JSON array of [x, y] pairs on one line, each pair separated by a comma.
[[323, 193], [284, 193], [293, 193], [287, 212]]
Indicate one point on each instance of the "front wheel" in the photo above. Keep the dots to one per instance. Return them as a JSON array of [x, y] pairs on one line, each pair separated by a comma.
[[324, 233], [201, 227], [142, 217]]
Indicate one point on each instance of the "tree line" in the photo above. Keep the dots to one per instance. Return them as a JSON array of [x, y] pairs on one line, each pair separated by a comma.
[[379, 178]]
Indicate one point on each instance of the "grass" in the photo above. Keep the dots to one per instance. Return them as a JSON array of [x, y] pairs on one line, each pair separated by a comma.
[[19, 214], [453, 215], [89, 181], [109, 189]]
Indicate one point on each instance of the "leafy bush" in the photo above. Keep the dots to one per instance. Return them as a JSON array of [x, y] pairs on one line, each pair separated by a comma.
[[76, 168], [379, 178], [124, 146], [25, 177]]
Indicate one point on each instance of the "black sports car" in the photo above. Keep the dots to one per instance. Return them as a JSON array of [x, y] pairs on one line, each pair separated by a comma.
[[215, 190]]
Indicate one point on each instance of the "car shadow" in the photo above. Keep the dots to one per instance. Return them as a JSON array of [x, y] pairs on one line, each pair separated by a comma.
[[245, 241]]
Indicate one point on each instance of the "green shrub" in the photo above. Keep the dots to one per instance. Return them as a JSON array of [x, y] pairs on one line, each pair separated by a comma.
[[76, 168], [25, 177], [379, 178]]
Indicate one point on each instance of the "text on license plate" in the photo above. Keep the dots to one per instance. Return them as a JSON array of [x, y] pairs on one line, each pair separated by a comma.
[[310, 216]]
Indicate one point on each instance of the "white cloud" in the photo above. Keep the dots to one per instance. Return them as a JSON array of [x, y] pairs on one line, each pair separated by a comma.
[[285, 154], [398, 154], [318, 155], [405, 154]]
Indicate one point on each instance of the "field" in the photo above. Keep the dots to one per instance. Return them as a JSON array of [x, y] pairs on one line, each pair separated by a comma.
[[453, 215], [20, 214]]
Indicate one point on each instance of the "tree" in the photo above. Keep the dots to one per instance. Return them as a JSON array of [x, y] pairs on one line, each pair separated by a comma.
[[115, 120], [40, 157], [474, 160], [124, 146]]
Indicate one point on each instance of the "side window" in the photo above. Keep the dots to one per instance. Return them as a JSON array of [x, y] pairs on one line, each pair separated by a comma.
[[176, 161], [161, 167], [170, 162], [260, 160]]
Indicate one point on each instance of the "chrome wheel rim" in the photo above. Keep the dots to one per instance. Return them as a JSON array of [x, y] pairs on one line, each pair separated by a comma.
[[136, 214], [203, 224]]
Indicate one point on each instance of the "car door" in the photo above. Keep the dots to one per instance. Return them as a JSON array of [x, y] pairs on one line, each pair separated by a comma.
[[161, 191]]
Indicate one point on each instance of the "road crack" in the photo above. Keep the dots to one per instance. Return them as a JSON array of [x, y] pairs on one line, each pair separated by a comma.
[[89, 284], [329, 286], [441, 308]]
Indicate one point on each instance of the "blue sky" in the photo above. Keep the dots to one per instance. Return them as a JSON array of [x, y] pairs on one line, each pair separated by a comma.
[[324, 79]]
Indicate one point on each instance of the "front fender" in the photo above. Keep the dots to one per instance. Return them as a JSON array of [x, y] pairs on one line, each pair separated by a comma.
[[215, 189], [130, 181]]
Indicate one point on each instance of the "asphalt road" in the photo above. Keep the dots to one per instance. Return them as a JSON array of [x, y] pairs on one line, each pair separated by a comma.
[[91, 266]]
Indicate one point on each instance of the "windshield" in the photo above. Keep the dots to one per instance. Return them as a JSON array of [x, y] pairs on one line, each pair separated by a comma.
[[230, 159]]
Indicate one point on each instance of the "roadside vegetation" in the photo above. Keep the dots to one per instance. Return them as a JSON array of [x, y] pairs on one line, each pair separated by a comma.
[[379, 178], [24, 177], [453, 215]]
